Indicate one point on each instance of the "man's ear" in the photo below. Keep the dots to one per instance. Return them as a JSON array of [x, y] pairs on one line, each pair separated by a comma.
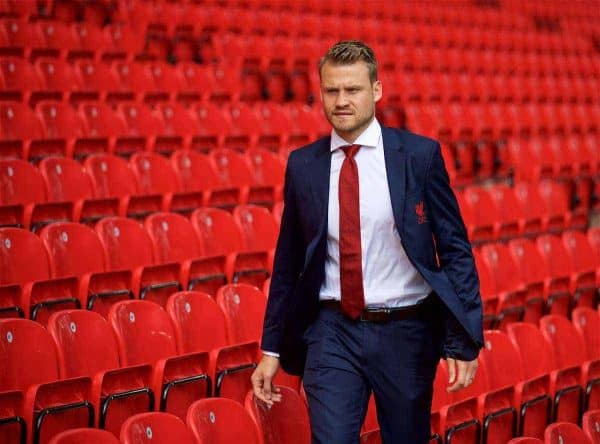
[[377, 90]]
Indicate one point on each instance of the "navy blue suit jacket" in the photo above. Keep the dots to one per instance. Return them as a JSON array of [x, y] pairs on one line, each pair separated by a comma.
[[428, 221]]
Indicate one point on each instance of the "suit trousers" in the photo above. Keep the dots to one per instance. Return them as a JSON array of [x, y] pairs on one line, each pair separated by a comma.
[[348, 359]]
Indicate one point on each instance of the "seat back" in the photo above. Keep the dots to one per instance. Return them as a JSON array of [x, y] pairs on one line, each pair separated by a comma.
[[199, 322], [85, 343], [173, 238], [214, 420], [244, 307], [231, 168], [567, 345], [591, 425], [82, 436], [555, 255], [587, 324], [564, 433], [195, 171], [580, 251], [65, 179], [60, 120], [529, 260], [267, 167], [74, 249], [143, 330], [154, 174], [27, 355], [110, 176], [504, 269], [101, 120], [20, 183], [497, 352], [529, 340], [126, 243], [217, 231], [258, 227], [23, 257], [284, 422], [155, 428], [13, 116]]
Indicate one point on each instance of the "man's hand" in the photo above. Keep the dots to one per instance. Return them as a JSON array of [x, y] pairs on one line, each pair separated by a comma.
[[460, 373], [262, 380]]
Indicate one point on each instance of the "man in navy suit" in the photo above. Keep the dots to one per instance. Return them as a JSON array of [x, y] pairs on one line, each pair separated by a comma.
[[373, 278]]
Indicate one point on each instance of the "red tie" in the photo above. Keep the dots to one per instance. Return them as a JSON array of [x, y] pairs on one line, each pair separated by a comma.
[[351, 278]]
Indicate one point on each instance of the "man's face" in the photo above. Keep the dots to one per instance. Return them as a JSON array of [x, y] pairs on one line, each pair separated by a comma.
[[349, 98]]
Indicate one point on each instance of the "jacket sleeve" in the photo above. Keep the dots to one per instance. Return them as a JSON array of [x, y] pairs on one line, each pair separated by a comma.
[[287, 265], [456, 260]]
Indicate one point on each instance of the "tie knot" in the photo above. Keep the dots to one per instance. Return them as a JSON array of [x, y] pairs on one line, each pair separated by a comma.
[[351, 150]]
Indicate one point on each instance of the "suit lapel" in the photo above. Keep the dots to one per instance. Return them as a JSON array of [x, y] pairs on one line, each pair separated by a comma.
[[395, 166]]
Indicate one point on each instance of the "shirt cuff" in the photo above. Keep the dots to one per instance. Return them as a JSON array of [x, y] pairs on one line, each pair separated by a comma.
[[273, 354]]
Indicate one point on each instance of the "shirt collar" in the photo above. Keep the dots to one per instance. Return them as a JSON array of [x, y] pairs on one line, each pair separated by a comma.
[[369, 137]]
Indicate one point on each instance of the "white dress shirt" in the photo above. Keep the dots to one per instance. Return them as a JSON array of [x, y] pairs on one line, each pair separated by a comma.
[[389, 278]]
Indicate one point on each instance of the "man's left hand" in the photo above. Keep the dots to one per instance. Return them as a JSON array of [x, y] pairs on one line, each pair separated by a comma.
[[460, 373]]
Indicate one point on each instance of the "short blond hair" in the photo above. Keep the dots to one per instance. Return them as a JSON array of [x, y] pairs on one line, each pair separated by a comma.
[[348, 52]]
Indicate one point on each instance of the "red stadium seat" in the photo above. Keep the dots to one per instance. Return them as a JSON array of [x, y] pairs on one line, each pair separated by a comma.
[[591, 425], [12, 422], [286, 422], [81, 436], [22, 197], [565, 432], [559, 273], [142, 128], [583, 263], [267, 169], [180, 127], [216, 420], [127, 246], [103, 128], [213, 125], [75, 250], [199, 322], [570, 352], [97, 80], [59, 79], [197, 173], [258, 227], [145, 335], [274, 125], [479, 214], [564, 383], [20, 128], [112, 177], [86, 346], [20, 79], [531, 204], [231, 368], [244, 308], [29, 363], [66, 181], [221, 236], [155, 428], [174, 240], [587, 324], [155, 175], [198, 82]]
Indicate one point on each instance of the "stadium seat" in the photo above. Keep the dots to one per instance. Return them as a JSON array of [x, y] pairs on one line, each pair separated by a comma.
[[199, 322], [286, 422], [174, 240], [97, 80], [180, 128], [198, 82], [145, 335], [103, 128], [591, 425], [197, 174], [478, 211], [231, 368], [234, 171], [20, 79], [257, 226], [583, 263], [512, 221], [29, 363], [112, 178], [19, 139], [531, 395], [268, 170], [587, 324], [127, 246], [82, 436], [570, 352], [155, 428], [141, 130], [559, 274], [134, 80], [216, 420], [67, 181], [154, 175], [565, 389], [532, 273], [213, 125], [274, 125], [221, 236], [21, 188], [558, 202], [531, 203], [12, 418], [564, 432], [86, 346], [244, 308]]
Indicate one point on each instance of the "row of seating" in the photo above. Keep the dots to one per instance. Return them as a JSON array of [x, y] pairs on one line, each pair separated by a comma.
[[94, 127], [64, 189], [71, 265], [554, 376], [565, 432], [523, 280]]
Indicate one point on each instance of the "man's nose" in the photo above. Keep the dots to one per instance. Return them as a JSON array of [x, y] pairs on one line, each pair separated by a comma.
[[341, 100]]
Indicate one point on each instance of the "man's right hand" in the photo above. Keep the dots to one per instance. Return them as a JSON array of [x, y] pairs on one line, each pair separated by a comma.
[[262, 380]]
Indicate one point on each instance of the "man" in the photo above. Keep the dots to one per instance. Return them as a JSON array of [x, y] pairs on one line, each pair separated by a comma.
[[373, 278]]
